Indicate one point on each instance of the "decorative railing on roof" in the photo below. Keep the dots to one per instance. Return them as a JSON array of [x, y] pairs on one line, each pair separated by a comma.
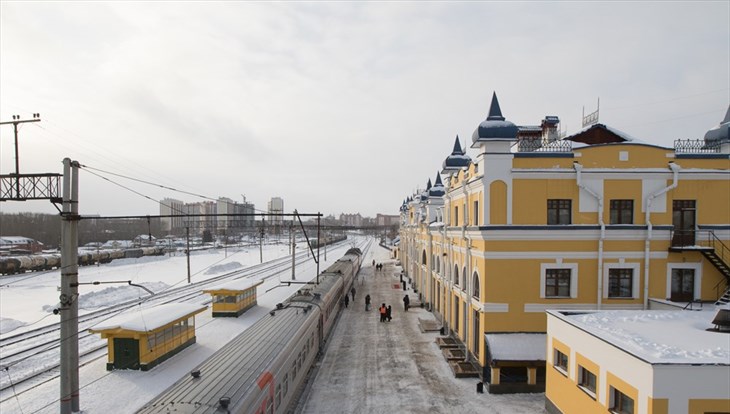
[[542, 145], [696, 146]]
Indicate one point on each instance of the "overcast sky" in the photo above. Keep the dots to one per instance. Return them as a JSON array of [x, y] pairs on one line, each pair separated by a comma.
[[335, 107]]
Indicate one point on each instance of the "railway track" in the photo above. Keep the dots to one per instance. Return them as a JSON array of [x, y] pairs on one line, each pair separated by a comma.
[[31, 358]]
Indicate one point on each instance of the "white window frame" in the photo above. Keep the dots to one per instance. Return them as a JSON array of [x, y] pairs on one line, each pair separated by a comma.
[[636, 272], [698, 277], [573, 279]]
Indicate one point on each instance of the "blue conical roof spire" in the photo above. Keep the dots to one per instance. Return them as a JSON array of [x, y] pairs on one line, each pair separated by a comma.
[[428, 185], [438, 180], [495, 113], [457, 147]]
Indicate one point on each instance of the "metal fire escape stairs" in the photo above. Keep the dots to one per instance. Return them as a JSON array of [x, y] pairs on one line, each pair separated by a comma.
[[717, 253]]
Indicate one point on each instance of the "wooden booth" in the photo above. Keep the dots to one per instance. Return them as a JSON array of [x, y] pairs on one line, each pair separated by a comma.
[[142, 338], [234, 298]]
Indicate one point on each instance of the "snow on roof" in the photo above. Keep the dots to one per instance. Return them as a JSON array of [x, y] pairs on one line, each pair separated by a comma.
[[658, 337], [149, 319], [238, 284], [17, 240], [517, 346]]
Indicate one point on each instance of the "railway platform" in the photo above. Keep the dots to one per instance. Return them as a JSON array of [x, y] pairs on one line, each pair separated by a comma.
[[395, 367]]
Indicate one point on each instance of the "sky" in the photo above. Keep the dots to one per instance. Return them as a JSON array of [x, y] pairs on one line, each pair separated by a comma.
[[335, 107]]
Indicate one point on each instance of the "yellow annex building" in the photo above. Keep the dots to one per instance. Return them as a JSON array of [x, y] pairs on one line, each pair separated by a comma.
[[594, 221]]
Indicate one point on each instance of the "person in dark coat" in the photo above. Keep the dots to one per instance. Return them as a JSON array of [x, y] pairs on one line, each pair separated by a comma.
[[388, 314], [367, 302], [347, 300], [353, 293], [406, 302]]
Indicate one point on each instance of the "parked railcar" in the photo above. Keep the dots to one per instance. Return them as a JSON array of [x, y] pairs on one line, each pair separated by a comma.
[[261, 370]]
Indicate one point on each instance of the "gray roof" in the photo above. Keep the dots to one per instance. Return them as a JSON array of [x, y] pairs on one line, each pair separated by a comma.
[[495, 127], [457, 160], [720, 132]]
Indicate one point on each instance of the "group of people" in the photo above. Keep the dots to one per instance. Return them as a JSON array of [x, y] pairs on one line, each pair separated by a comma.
[[385, 313]]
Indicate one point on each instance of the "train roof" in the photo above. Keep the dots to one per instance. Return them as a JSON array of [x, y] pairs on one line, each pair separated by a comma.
[[224, 375]]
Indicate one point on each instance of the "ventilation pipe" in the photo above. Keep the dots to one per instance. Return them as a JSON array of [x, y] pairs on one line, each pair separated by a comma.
[[599, 198], [647, 244]]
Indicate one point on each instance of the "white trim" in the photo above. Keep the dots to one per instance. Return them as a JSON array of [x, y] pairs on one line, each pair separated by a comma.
[[491, 307], [635, 272], [698, 277], [573, 278], [566, 255], [542, 307]]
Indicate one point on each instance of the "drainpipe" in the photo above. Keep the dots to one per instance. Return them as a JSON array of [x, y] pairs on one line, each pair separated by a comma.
[[599, 198], [467, 266], [647, 244]]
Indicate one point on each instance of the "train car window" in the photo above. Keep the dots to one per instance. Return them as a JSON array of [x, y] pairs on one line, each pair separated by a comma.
[[278, 395], [286, 384], [294, 370]]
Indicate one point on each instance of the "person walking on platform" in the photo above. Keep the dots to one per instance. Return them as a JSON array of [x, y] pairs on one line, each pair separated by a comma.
[[388, 314], [406, 302], [347, 300], [367, 302], [383, 311], [353, 293]]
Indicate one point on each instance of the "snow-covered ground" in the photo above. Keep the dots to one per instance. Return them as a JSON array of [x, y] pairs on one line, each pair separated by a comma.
[[27, 301]]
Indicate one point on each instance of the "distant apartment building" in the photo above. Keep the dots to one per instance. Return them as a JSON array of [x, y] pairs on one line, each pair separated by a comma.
[[386, 220], [352, 220], [171, 207], [201, 216], [276, 206]]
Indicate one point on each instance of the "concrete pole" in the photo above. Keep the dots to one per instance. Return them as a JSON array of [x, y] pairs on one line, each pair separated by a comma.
[[293, 254], [69, 375]]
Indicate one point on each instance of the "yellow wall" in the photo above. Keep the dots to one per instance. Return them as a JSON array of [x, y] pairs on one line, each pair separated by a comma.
[[708, 406], [498, 203]]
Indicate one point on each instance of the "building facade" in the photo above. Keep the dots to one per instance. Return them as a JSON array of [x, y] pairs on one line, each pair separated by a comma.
[[596, 220], [655, 362]]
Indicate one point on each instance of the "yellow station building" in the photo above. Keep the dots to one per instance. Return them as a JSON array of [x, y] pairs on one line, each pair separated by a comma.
[[593, 221]]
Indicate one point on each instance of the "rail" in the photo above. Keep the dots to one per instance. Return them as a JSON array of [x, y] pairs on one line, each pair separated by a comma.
[[722, 251]]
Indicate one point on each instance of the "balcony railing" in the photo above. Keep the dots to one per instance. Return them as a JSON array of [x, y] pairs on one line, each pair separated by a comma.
[[696, 146], [542, 145]]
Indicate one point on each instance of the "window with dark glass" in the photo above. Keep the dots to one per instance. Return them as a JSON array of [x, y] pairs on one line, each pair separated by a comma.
[[622, 211], [456, 216], [557, 283], [622, 403], [587, 379], [559, 211], [561, 361], [620, 283], [476, 213]]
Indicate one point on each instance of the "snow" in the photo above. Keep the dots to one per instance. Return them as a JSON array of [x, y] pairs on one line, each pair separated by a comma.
[[238, 284], [228, 267], [125, 391], [517, 346], [149, 319], [659, 337]]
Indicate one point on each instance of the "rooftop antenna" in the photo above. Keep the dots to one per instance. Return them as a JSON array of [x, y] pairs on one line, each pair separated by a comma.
[[591, 118]]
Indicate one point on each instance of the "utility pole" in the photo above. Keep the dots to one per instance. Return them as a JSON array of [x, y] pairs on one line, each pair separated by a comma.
[[187, 249], [69, 308], [293, 253], [261, 240]]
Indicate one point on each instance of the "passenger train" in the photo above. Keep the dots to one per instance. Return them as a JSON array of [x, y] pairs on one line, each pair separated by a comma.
[[263, 370]]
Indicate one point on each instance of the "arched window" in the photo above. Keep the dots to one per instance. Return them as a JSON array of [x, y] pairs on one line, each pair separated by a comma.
[[463, 278], [456, 275], [423, 258], [438, 264], [475, 285]]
